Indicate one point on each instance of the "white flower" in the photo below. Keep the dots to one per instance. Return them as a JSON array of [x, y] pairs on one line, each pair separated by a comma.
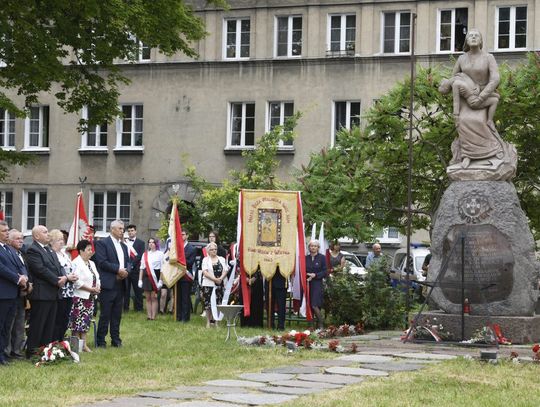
[[307, 332], [52, 357], [61, 354], [293, 332]]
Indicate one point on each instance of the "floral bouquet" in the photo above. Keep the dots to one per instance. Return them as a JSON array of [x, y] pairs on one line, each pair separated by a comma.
[[536, 352], [342, 330], [56, 352], [429, 330]]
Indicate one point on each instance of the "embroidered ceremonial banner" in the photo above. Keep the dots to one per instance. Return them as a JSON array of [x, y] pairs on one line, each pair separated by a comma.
[[269, 229]]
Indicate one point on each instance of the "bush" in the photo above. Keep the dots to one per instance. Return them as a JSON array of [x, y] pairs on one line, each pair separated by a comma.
[[372, 301]]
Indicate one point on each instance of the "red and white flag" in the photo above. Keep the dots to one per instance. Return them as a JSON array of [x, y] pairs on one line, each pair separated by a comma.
[[177, 256], [79, 229]]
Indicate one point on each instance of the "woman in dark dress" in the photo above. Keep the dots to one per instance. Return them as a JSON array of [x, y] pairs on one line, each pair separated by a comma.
[[256, 306], [337, 259], [316, 272]]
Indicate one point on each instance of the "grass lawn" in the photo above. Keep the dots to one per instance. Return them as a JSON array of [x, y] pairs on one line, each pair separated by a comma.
[[163, 354]]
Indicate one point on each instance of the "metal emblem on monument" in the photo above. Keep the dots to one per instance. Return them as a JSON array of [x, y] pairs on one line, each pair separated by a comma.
[[474, 207]]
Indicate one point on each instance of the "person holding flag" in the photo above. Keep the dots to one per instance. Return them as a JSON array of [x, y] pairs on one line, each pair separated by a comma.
[[183, 287], [149, 280]]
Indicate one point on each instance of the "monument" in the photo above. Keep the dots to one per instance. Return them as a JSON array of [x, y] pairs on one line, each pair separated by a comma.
[[482, 247]]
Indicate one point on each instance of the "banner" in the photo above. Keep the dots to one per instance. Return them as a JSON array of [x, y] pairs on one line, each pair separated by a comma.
[[79, 229], [174, 268], [269, 229]]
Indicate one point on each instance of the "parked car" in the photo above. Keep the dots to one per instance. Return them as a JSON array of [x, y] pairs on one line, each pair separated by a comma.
[[418, 255], [354, 264]]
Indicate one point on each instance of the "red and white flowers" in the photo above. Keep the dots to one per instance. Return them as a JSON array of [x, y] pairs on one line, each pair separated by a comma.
[[55, 352]]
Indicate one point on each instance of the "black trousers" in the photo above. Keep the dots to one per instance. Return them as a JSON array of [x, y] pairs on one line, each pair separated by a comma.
[[131, 283], [42, 319], [62, 318], [279, 298], [183, 300], [110, 305], [7, 313]]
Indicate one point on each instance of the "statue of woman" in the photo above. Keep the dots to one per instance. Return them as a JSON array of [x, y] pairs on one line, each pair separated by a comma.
[[475, 78]]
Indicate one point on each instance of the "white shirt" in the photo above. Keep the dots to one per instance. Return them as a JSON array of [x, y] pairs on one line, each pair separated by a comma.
[[119, 253], [154, 260]]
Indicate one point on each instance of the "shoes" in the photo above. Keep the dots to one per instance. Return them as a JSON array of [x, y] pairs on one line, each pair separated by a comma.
[[101, 345], [116, 344], [4, 363], [15, 355]]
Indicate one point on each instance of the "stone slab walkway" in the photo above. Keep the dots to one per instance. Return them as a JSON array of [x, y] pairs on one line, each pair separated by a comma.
[[381, 355]]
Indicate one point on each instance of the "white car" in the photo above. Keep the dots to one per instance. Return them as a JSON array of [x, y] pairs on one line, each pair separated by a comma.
[[398, 264], [354, 264]]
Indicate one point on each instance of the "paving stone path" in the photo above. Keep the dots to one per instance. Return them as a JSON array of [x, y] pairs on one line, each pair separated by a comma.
[[382, 357]]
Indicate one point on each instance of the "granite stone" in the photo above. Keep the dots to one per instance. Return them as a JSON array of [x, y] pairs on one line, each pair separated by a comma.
[[254, 399], [426, 356], [305, 384], [234, 383], [204, 403], [294, 369], [330, 378], [355, 371], [363, 358], [296, 391], [396, 367], [265, 377], [169, 395], [210, 389], [327, 363]]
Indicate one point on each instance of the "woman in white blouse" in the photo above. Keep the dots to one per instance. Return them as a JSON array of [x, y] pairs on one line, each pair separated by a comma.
[[87, 287], [214, 271], [149, 279]]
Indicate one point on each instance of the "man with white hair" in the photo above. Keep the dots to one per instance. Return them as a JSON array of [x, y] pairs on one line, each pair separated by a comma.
[[375, 255], [112, 262]]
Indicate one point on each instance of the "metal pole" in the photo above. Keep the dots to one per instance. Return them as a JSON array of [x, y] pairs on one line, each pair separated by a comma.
[[462, 287], [409, 178]]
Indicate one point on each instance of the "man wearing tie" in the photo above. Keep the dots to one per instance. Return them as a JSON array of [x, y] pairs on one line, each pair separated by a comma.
[[46, 275], [10, 280], [16, 334], [135, 251], [112, 262]]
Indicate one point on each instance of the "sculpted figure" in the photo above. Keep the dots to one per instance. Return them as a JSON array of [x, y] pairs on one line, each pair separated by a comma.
[[473, 86]]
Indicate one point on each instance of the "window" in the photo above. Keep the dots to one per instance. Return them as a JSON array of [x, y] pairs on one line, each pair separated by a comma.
[[34, 209], [388, 235], [129, 128], [143, 50], [289, 36], [95, 137], [36, 128], [7, 130], [237, 38], [452, 29], [108, 206], [342, 34], [242, 125], [6, 206], [346, 116], [511, 27], [396, 32], [278, 113]]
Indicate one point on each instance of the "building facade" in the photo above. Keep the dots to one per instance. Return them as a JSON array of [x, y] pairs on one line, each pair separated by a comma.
[[262, 61]]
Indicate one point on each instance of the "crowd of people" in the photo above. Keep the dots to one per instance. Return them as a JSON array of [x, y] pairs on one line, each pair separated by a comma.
[[61, 289]]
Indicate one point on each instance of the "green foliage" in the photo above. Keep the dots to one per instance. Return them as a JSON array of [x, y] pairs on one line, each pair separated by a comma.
[[382, 305], [216, 206], [367, 170], [343, 294]]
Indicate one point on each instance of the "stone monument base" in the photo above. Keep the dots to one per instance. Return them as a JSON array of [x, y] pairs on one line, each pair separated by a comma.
[[515, 329]]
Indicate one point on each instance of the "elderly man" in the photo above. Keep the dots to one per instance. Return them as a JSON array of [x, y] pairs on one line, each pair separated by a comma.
[[16, 335], [10, 280], [375, 255], [112, 262], [47, 277]]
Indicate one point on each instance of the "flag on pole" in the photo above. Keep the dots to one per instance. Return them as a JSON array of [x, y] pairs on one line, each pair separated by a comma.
[[174, 268], [2, 213], [79, 229]]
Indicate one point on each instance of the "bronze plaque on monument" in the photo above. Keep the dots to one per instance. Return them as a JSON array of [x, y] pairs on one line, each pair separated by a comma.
[[489, 264]]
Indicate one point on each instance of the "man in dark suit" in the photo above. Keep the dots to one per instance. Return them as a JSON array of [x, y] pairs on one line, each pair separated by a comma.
[[10, 281], [135, 251], [183, 287], [46, 275], [16, 334], [112, 262]]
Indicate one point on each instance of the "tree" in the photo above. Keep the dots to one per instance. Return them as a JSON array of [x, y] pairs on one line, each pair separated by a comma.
[[69, 48], [216, 206], [367, 169]]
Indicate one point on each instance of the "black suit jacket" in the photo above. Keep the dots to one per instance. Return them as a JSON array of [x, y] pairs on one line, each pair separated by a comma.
[[44, 270], [138, 245], [107, 261], [191, 256]]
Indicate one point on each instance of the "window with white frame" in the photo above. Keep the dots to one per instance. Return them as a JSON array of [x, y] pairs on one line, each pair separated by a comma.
[[95, 135], [34, 209], [388, 235], [511, 28], [346, 116], [278, 113], [108, 206], [396, 32], [452, 29], [288, 36], [237, 38], [242, 124], [7, 129], [6, 206], [36, 128], [129, 127], [342, 34]]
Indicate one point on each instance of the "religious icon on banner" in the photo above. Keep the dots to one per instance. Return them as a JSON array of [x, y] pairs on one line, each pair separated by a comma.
[[269, 227]]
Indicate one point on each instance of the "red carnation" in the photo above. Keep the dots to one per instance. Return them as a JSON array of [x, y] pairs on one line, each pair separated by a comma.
[[536, 348]]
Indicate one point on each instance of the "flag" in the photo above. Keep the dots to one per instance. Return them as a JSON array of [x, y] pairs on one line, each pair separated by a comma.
[[175, 267], [2, 213], [79, 229]]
